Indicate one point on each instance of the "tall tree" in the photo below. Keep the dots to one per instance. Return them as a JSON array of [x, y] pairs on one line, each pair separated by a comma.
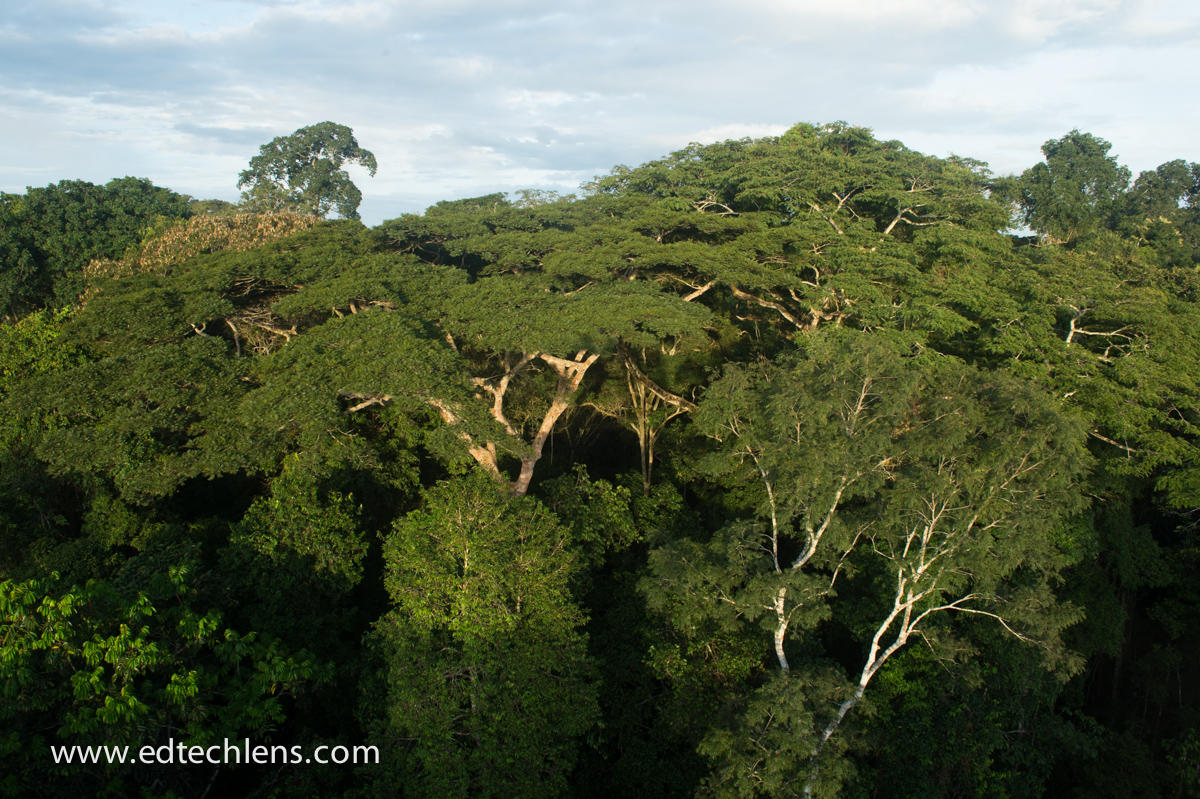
[[1074, 191], [486, 662], [303, 172], [965, 521]]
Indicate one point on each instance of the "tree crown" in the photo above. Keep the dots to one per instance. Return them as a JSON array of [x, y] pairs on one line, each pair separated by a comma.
[[304, 172]]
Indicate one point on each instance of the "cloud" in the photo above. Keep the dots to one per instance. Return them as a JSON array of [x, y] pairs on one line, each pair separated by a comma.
[[31, 17], [240, 137], [465, 97]]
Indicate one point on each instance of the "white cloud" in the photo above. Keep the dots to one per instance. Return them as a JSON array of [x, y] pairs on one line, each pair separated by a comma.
[[531, 102], [737, 130], [467, 97], [1038, 21], [924, 14]]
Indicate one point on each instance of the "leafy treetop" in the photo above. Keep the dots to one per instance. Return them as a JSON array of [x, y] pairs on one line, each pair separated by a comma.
[[303, 172]]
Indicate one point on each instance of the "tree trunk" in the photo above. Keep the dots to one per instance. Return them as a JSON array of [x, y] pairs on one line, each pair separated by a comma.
[[570, 376], [781, 625]]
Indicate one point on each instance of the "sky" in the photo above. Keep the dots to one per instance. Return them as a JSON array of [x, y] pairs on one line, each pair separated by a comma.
[[458, 98]]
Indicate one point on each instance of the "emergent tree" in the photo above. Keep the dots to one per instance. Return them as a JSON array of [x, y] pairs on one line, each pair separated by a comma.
[[303, 172]]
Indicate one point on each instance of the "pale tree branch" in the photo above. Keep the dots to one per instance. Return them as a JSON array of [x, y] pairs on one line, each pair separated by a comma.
[[699, 291], [485, 455], [774, 306]]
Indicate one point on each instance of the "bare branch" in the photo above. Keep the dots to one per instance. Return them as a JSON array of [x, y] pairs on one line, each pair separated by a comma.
[[1116, 444], [699, 291], [774, 306], [381, 399]]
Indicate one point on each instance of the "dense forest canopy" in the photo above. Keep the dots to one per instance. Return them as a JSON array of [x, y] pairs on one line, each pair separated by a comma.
[[775, 467]]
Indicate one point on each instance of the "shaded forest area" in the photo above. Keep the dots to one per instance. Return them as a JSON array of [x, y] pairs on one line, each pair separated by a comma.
[[775, 467]]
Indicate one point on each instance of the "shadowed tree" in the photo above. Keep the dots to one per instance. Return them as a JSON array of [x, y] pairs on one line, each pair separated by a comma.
[[49, 234], [486, 662]]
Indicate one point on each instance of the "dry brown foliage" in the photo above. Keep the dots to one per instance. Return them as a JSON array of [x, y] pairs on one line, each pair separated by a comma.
[[160, 251]]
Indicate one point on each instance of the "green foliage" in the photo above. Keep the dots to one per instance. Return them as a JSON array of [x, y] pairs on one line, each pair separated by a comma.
[[1160, 213], [1076, 189], [34, 345], [31, 503], [96, 665], [981, 726], [592, 320], [303, 172], [486, 663], [968, 476], [863, 417], [597, 512], [147, 438], [48, 235], [294, 559], [762, 751]]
